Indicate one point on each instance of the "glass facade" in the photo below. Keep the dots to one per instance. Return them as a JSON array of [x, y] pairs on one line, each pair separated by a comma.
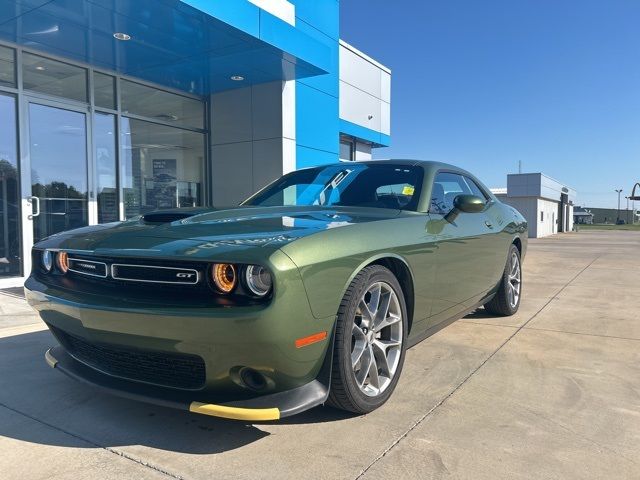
[[118, 150], [10, 234], [58, 152], [7, 67], [104, 90], [162, 167], [105, 154], [141, 100], [51, 77]]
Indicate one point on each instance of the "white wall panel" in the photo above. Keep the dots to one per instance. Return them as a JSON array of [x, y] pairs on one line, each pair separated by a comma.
[[232, 179], [266, 108], [385, 86], [365, 90], [359, 107], [267, 162], [360, 73], [253, 139], [231, 116]]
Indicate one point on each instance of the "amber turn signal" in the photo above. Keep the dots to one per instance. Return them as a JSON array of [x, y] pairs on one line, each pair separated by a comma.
[[224, 276], [63, 261]]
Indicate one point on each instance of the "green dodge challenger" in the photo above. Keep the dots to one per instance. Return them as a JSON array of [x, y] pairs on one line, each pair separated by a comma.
[[309, 292]]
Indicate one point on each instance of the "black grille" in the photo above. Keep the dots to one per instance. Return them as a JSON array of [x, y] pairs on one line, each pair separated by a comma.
[[158, 368]]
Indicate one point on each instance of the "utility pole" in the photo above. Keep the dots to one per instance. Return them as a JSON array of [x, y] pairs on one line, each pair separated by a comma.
[[519, 166], [618, 192]]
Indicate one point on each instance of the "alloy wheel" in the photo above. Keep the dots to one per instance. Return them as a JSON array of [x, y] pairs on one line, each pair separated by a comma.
[[376, 341], [515, 281]]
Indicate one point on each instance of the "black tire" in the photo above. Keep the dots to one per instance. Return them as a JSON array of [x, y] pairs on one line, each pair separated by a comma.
[[502, 303], [345, 393]]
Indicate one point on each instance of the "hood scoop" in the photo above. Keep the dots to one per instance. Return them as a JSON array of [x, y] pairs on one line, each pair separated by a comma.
[[168, 216]]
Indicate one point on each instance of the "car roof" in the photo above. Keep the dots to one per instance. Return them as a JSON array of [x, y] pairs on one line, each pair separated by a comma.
[[427, 164]]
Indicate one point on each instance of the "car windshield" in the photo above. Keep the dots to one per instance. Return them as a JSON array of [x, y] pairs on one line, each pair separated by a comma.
[[347, 185]]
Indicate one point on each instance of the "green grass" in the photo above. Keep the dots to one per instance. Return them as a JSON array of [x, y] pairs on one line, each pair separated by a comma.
[[635, 227]]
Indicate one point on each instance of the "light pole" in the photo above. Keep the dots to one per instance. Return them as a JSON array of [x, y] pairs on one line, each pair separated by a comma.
[[618, 192], [627, 209]]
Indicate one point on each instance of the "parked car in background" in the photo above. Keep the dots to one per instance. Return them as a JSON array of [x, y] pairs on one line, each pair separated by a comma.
[[310, 292]]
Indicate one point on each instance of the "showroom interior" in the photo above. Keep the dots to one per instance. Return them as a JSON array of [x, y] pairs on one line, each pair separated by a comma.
[[115, 109]]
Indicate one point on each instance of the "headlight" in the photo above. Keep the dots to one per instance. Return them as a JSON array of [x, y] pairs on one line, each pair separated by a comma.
[[258, 280], [224, 276], [47, 260], [63, 261]]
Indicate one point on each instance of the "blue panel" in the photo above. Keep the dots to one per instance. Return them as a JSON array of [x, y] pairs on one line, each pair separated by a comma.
[[322, 14], [309, 157], [317, 106], [292, 40], [363, 133], [172, 42], [238, 13], [328, 83], [317, 119]]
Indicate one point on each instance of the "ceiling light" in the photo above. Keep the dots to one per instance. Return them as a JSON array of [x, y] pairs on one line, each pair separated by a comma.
[[121, 36], [40, 67], [237, 78]]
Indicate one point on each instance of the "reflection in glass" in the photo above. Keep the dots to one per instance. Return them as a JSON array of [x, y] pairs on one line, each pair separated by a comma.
[[166, 107], [53, 78], [10, 264], [104, 134], [58, 152], [162, 167], [7, 67], [104, 90]]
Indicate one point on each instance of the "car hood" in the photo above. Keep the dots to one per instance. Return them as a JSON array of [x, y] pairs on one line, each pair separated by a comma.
[[214, 231]]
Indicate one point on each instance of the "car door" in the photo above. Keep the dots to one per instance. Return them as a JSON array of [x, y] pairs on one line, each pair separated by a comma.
[[466, 247]]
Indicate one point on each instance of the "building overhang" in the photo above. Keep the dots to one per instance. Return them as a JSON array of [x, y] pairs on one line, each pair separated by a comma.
[[193, 45]]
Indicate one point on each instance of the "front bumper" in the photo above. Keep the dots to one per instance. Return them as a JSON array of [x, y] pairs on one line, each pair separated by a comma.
[[260, 338], [262, 408]]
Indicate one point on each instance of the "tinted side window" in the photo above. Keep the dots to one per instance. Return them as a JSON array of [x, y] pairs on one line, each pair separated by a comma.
[[447, 186], [475, 189]]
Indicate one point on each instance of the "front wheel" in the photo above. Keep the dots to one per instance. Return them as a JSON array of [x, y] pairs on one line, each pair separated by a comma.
[[507, 299], [370, 341]]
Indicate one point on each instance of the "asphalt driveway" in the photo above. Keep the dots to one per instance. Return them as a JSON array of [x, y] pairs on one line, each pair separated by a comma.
[[553, 392]]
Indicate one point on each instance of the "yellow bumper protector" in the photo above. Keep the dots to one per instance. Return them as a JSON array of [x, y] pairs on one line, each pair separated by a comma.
[[50, 359], [235, 413]]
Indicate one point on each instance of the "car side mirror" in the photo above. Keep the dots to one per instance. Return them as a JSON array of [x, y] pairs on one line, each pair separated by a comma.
[[467, 204]]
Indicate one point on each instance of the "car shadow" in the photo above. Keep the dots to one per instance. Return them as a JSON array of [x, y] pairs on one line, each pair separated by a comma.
[[31, 392], [478, 314]]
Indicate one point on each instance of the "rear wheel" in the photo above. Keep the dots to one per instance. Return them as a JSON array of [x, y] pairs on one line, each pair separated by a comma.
[[507, 300], [371, 332]]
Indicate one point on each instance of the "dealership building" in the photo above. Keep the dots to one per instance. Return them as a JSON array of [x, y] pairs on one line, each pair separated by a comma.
[[112, 108], [545, 203]]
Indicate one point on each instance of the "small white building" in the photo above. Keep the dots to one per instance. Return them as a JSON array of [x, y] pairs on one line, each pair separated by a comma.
[[546, 203]]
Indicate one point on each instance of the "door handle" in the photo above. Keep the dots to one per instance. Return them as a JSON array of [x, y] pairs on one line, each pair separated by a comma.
[[36, 201], [488, 223]]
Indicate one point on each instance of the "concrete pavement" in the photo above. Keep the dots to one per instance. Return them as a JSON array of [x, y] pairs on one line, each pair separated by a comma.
[[552, 392]]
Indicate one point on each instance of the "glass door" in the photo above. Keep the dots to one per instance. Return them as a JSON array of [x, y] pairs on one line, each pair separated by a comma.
[[58, 160], [10, 225]]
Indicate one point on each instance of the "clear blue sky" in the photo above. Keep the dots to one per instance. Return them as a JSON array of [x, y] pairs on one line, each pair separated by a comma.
[[484, 84]]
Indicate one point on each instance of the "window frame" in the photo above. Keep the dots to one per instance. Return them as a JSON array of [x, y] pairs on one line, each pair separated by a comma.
[[489, 199]]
